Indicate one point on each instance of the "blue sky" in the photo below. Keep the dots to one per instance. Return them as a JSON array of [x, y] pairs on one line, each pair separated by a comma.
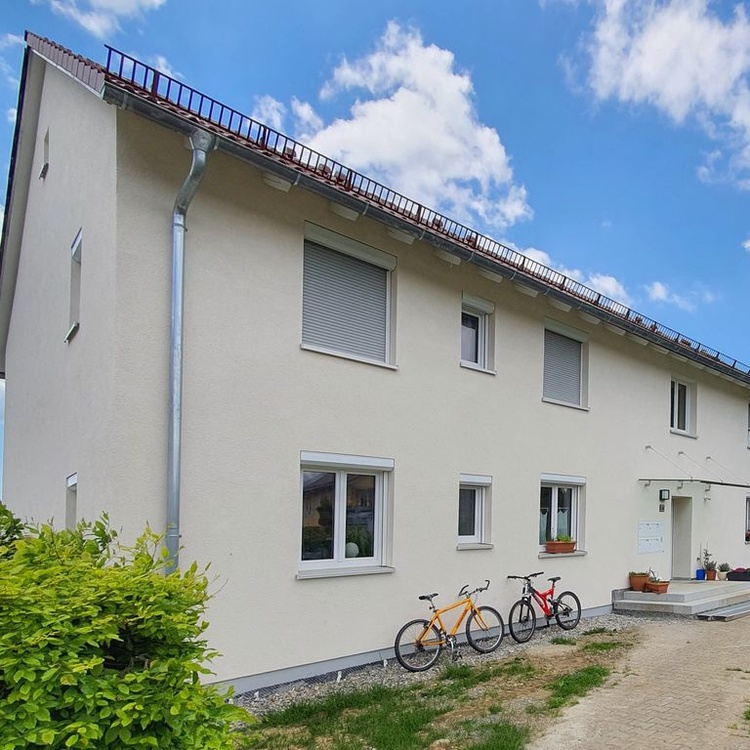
[[609, 139]]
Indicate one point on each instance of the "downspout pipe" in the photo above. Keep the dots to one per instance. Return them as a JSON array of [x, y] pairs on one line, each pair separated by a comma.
[[201, 143]]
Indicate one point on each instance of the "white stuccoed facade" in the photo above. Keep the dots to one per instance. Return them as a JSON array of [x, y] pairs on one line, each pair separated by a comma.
[[256, 401]]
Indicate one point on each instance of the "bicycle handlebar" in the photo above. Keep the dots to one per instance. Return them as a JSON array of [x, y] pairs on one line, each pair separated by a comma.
[[528, 577], [464, 589]]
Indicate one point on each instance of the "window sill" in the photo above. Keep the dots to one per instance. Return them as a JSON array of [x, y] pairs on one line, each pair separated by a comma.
[[564, 403], [473, 545], [341, 572], [477, 368], [577, 553], [683, 433], [345, 355]]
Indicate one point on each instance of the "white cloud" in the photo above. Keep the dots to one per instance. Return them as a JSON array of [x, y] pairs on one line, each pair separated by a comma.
[[10, 40], [164, 66], [659, 292], [414, 127], [101, 17], [10, 115], [746, 245], [683, 59], [607, 285], [269, 111]]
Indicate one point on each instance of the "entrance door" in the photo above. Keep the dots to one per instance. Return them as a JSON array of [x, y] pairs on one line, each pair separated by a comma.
[[682, 530]]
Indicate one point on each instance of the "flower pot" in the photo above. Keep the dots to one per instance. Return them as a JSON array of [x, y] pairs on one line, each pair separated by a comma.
[[558, 547], [721, 575], [657, 587], [711, 575], [700, 574], [638, 581]]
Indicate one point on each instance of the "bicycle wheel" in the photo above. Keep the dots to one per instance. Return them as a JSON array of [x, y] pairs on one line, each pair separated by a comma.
[[522, 621], [484, 629], [567, 610], [418, 646]]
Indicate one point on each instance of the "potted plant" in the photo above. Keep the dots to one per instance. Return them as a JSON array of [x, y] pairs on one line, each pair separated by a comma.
[[561, 543], [638, 580], [655, 586], [723, 570], [739, 574], [709, 565]]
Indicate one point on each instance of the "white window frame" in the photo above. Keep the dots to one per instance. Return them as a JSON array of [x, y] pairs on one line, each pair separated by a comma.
[[747, 520], [574, 335], [481, 485], [327, 240], [341, 465], [674, 404], [483, 310], [563, 481], [748, 425]]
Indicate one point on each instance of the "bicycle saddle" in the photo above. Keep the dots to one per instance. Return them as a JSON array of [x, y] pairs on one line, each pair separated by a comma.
[[427, 597], [554, 579]]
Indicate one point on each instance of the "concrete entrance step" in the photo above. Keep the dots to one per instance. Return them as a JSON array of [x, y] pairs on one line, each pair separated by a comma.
[[688, 598]]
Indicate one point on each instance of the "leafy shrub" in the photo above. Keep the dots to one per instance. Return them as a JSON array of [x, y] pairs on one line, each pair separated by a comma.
[[11, 529], [99, 648]]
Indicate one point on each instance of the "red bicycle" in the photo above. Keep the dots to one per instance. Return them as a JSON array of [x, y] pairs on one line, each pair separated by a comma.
[[565, 608]]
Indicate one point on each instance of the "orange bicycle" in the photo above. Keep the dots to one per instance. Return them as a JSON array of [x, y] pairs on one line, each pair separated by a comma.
[[419, 642]]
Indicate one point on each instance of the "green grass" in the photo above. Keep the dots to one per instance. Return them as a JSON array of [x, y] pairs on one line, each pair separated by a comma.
[[602, 646], [386, 718], [403, 718], [597, 631], [502, 736], [567, 688], [562, 641]]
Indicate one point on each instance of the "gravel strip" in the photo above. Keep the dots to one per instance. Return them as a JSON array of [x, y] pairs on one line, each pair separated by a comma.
[[393, 674]]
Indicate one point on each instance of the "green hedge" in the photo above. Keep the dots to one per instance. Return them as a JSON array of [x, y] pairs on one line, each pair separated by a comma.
[[99, 648]]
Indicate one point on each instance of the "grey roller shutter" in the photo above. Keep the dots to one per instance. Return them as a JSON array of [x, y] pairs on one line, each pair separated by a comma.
[[562, 368], [344, 305]]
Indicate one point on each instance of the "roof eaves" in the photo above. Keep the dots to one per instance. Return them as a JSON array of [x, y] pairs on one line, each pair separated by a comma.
[[133, 85]]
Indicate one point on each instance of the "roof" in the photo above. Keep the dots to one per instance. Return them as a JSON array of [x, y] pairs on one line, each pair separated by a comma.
[[126, 82]]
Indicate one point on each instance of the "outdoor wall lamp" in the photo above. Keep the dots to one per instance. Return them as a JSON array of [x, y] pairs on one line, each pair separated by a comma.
[[663, 496]]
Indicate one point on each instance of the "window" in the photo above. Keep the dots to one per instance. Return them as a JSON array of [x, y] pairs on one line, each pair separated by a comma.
[[74, 314], [748, 425], [747, 520], [346, 297], [563, 369], [476, 332], [343, 510], [682, 407], [473, 509], [560, 507]]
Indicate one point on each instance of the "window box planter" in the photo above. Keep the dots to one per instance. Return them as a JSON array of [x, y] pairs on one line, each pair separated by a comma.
[[738, 575], [556, 548]]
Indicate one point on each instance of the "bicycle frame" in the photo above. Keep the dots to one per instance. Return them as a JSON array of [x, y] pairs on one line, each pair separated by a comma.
[[468, 606], [542, 598]]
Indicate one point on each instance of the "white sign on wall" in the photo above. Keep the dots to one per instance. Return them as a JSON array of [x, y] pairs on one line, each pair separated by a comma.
[[650, 537]]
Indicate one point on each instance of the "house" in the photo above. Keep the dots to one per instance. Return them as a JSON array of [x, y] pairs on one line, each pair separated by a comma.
[[338, 397]]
